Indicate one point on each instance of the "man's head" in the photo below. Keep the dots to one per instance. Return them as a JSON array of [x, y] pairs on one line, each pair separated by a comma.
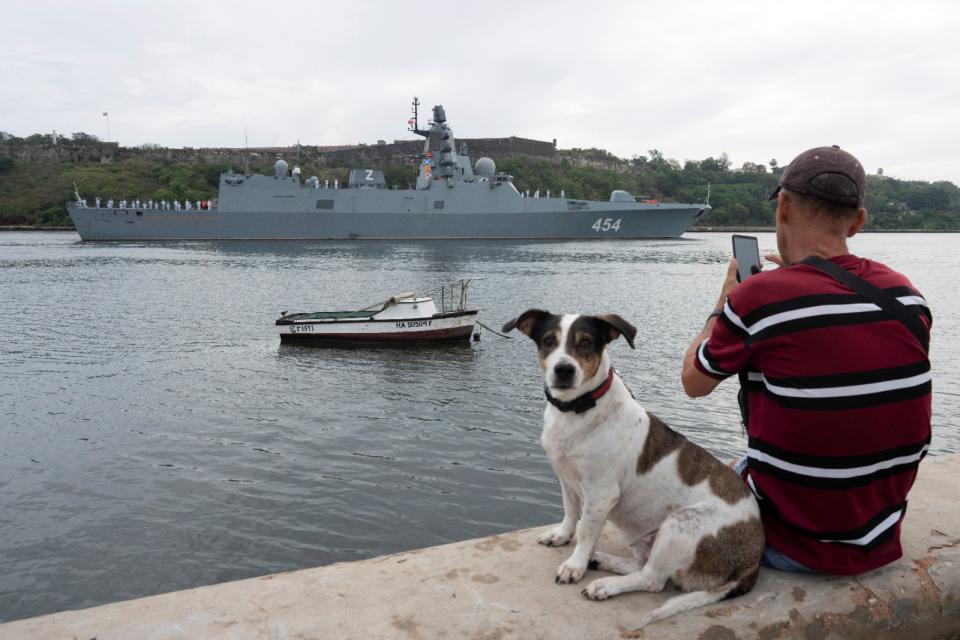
[[820, 195]]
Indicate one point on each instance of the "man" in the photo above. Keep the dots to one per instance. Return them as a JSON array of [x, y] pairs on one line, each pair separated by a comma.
[[838, 390]]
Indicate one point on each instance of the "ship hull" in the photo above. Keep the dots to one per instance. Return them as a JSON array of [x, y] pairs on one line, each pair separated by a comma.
[[637, 221]]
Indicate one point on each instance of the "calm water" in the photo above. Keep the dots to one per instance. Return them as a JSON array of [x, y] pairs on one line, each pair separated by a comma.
[[155, 436]]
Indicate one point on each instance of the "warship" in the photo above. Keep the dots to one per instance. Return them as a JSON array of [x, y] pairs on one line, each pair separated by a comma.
[[452, 199]]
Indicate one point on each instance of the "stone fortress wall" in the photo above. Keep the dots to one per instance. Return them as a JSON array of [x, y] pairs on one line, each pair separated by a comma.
[[398, 151], [381, 153]]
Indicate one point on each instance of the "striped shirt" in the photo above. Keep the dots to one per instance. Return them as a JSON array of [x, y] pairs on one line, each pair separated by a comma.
[[839, 399]]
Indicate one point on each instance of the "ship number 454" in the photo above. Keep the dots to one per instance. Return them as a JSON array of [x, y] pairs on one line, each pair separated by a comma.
[[606, 224]]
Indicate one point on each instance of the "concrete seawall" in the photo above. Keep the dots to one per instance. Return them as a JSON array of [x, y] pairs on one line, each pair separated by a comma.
[[502, 587]]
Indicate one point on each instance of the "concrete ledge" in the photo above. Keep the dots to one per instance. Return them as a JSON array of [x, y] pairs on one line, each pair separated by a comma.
[[502, 587]]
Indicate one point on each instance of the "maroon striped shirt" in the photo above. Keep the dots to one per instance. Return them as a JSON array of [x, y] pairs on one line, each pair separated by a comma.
[[839, 409]]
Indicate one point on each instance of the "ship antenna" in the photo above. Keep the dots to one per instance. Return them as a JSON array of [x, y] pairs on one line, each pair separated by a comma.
[[296, 161], [707, 201], [414, 122]]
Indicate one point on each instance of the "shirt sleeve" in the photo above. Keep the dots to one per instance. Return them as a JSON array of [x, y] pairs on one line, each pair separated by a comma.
[[725, 351]]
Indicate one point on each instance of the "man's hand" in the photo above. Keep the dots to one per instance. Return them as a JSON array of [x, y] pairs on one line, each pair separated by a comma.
[[729, 283], [775, 258], [695, 383]]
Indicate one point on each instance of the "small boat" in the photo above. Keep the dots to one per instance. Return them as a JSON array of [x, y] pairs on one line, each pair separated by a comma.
[[401, 318]]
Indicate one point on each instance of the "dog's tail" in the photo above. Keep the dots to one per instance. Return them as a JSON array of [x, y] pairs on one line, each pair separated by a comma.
[[686, 601]]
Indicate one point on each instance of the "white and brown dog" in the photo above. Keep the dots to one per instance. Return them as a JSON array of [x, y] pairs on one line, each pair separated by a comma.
[[687, 517]]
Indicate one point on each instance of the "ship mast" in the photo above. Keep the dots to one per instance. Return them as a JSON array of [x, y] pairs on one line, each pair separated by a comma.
[[415, 121]]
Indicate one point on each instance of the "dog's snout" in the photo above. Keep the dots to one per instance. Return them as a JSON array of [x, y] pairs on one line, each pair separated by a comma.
[[564, 371]]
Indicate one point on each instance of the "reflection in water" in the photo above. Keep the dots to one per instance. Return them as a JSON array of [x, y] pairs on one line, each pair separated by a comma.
[[157, 436]]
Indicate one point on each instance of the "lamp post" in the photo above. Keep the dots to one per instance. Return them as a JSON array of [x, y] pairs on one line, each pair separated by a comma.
[[107, 116]]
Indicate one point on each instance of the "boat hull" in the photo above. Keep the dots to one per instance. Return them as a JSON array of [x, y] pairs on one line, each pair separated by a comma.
[[440, 327], [611, 222]]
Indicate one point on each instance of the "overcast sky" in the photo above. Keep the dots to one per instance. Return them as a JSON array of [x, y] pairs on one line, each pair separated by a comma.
[[757, 80]]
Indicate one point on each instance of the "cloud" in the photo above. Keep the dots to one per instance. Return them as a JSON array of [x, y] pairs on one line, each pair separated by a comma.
[[756, 80]]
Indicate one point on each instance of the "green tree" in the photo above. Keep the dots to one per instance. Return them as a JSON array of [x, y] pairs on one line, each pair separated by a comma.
[[81, 138], [37, 139]]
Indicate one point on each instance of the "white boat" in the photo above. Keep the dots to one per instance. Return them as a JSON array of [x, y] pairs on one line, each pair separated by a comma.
[[404, 317]]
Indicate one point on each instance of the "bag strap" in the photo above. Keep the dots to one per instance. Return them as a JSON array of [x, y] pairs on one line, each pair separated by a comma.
[[878, 296]]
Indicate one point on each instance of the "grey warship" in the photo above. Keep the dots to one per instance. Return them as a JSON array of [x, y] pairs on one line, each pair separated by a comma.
[[452, 199]]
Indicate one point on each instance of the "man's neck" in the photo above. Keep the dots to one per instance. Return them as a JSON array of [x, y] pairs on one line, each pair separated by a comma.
[[817, 245]]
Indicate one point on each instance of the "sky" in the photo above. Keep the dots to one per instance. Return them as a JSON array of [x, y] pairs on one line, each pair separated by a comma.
[[755, 80]]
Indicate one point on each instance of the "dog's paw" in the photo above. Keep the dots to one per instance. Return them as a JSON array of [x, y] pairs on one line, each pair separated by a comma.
[[556, 537], [568, 573], [600, 589]]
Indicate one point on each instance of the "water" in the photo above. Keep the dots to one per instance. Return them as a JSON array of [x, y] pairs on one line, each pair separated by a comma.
[[154, 435]]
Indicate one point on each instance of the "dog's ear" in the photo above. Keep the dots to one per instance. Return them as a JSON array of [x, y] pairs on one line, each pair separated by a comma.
[[526, 321], [617, 326]]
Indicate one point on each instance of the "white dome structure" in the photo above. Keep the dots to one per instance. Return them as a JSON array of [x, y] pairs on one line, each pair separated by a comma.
[[280, 168], [485, 167]]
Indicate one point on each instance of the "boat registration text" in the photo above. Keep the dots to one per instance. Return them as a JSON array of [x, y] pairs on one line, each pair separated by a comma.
[[412, 324]]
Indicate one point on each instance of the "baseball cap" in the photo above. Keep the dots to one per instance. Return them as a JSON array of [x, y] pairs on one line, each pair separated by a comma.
[[799, 175]]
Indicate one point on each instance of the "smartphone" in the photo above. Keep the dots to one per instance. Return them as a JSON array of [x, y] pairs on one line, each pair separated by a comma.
[[747, 252]]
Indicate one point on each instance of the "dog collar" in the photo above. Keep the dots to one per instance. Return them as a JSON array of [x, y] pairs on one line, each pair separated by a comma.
[[583, 403]]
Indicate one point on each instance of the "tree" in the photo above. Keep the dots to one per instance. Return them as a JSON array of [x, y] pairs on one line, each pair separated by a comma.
[[36, 139], [656, 158], [719, 165], [6, 164], [85, 138]]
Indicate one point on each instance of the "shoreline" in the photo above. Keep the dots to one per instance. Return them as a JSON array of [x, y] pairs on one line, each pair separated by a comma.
[[691, 230]]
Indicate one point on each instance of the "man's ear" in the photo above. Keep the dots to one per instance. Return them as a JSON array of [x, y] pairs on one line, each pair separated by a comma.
[[527, 321], [784, 207], [616, 326], [858, 223]]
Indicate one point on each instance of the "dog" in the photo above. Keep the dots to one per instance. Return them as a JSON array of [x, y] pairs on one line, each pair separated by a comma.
[[687, 517]]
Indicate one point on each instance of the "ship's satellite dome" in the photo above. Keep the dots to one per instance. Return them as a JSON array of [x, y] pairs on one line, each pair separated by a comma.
[[485, 167], [280, 168]]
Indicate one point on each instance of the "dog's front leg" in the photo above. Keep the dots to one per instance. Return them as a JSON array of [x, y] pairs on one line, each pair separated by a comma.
[[563, 532], [593, 513]]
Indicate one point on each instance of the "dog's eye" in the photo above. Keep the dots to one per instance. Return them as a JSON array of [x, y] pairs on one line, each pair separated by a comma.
[[585, 344], [549, 340]]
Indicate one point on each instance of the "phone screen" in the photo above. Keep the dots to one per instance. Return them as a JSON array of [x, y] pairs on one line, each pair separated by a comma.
[[747, 252]]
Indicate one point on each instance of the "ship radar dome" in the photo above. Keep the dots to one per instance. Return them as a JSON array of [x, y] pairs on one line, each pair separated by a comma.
[[485, 167], [280, 168]]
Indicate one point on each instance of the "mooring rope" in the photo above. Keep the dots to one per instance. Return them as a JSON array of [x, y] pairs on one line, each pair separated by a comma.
[[494, 332]]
